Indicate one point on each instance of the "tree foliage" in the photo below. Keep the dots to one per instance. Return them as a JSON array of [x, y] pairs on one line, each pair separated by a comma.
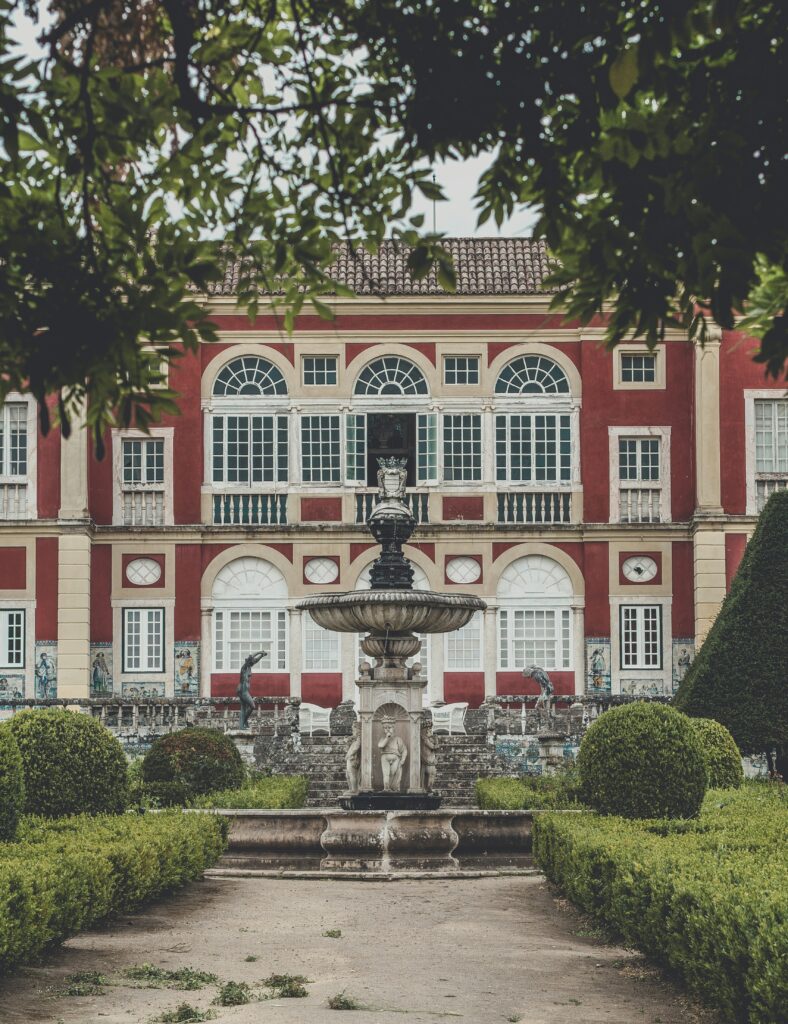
[[740, 675], [649, 137]]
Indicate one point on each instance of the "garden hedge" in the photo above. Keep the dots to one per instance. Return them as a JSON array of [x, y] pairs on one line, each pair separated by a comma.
[[723, 760], [62, 876], [707, 898], [268, 791], [12, 786], [199, 760], [72, 764], [642, 761], [539, 792]]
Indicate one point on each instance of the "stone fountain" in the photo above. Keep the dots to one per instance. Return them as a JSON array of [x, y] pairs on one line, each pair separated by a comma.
[[385, 769]]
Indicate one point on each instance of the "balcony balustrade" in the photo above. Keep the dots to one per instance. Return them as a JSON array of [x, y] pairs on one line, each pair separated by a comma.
[[13, 501], [765, 487], [143, 508], [417, 502], [534, 507], [249, 509]]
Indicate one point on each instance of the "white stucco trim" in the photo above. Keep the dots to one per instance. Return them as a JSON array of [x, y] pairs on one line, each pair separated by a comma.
[[750, 398], [663, 434]]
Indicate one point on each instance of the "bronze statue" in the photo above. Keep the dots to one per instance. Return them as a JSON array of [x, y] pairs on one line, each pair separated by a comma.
[[247, 702], [545, 699]]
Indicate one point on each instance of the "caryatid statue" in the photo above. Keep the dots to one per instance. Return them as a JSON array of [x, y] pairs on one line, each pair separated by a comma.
[[242, 692], [353, 760], [393, 754], [429, 744]]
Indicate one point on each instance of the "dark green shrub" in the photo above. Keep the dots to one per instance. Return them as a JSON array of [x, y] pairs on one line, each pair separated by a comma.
[[643, 761], [199, 760], [706, 898], [723, 760], [72, 764], [557, 791], [12, 786], [738, 677], [62, 876], [262, 791]]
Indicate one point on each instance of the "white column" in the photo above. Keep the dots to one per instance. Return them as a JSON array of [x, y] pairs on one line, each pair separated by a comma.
[[579, 648], [206, 649], [707, 424], [435, 669], [490, 646], [488, 445], [347, 659], [296, 651]]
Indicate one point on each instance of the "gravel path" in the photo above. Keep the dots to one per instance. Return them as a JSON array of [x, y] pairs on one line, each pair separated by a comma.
[[481, 951]]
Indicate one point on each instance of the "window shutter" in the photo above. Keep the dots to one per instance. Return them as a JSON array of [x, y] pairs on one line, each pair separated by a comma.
[[427, 448], [356, 448]]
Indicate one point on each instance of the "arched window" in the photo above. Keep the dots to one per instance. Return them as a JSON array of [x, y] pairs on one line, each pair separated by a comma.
[[249, 375], [532, 375], [249, 598], [391, 375], [535, 615]]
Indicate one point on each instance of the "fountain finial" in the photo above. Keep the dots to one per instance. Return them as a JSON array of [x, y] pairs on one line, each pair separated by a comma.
[[391, 523]]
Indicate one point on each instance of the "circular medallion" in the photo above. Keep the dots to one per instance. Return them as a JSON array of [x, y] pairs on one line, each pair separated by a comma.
[[143, 572], [463, 569], [321, 570], [639, 569]]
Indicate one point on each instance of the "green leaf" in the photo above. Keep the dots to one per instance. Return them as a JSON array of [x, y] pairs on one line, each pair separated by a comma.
[[624, 71]]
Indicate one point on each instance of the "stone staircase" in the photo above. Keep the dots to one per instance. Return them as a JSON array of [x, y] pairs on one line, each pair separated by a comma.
[[461, 760]]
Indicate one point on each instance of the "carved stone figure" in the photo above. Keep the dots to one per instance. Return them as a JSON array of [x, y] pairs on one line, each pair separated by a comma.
[[353, 760], [429, 745], [392, 477], [393, 754], [243, 694], [546, 691]]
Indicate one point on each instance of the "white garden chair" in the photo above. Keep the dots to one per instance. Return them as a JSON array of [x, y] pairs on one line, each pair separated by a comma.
[[312, 718], [450, 718]]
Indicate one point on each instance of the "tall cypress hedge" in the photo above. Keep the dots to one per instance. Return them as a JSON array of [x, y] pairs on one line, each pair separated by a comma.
[[740, 676]]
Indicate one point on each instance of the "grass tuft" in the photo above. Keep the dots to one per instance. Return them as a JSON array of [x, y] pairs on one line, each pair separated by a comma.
[[185, 1014], [185, 978], [342, 1001], [234, 993], [332, 933], [85, 983], [287, 986]]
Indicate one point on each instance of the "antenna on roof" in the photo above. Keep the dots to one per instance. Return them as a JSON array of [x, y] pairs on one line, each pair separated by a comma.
[[434, 230]]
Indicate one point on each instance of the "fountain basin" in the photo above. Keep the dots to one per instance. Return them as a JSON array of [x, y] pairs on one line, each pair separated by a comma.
[[392, 611]]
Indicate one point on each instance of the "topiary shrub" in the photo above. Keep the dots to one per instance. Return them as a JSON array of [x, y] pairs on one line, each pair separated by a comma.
[[643, 761], [12, 786], [723, 760], [71, 763], [199, 760]]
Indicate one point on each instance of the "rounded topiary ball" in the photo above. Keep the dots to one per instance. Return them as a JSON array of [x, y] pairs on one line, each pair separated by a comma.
[[643, 761], [72, 764], [723, 760], [200, 760], [12, 786]]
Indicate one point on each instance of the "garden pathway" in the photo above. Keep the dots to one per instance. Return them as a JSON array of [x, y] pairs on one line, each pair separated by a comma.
[[482, 951]]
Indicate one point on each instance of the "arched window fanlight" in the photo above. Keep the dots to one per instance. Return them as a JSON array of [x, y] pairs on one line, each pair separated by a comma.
[[532, 375], [249, 375], [391, 375]]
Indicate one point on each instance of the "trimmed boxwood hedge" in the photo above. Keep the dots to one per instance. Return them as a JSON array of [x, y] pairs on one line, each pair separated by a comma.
[[12, 786], [723, 760], [72, 764], [63, 876], [266, 791], [197, 760], [708, 898], [642, 761], [560, 790]]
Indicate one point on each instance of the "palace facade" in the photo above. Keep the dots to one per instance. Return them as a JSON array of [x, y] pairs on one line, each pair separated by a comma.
[[599, 502]]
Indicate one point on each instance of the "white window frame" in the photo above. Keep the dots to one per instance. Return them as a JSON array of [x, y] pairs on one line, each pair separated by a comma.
[[750, 398], [662, 434], [145, 612], [164, 434], [658, 384], [281, 452], [533, 406], [5, 624], [28, 480], [465, 452], [325, 384], [660, 678], [563, 612], [331, 662], [640, 609], [465, 383], [278, 659], [477, 621]]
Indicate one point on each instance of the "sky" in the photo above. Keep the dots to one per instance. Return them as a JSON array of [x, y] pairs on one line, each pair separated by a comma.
[[456, 217]]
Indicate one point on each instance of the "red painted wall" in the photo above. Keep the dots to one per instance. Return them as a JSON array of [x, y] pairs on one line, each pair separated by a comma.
[[262, 684], [317, 510], [604, 407], [737, 373], [735, 545], [464, 686], [46, 588], [188, 573], [13, 565], [101, 593], [458, 508], [48, 470], [683, 607], [322, 688], [515, 683], [597, 580], [100, 483], [187, 446]]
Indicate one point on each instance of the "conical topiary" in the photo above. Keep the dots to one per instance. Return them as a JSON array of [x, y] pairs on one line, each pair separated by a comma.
[[740, 676]]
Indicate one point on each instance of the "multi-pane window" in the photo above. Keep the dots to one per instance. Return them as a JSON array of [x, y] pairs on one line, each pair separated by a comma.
[[320, 371], [143, 462], [249, 449], [320, 449], [641, 636], [533, 448], [321, 648], [143, 639], [462, 447], [638, 458], [13, 439], [356, 447], [426, 447], [461, 370], [464, 647], [535, 636], [12, 638], [638, 369], [771, 447], [639, 477], [239, 633]]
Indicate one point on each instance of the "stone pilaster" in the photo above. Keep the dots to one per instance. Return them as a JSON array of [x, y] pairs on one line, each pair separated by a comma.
[[710, 582], [707, 424]]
